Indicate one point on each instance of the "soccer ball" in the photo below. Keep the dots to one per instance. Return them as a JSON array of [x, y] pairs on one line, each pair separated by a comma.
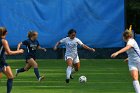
[[82, 79]]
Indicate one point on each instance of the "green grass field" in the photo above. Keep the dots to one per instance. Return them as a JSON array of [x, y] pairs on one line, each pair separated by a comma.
[[104, 76]]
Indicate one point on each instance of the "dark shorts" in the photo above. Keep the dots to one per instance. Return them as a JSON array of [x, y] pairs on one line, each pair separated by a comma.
[[2, 65], [29, 57]]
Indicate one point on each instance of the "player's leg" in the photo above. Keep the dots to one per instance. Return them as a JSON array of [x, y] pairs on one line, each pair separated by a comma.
[[69, 61], [9, 74], [133, 67], [34, 64], [26, 68], [76, 66], [75, 69], [134, 74]]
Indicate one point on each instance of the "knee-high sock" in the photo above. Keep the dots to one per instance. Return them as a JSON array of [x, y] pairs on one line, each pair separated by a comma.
[[21, 70], [9, 85], [36, 73], [68, 72], [73, 71], [136, 86]]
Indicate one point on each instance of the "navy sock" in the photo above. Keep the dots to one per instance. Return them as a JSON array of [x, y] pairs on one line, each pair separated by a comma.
[[21, 70], [36, 73], [9, 85]]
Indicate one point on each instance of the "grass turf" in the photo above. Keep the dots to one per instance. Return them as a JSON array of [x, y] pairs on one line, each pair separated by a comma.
[[104, 76]]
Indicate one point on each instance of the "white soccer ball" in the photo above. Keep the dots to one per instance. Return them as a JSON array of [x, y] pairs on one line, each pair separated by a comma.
[[82, 79]]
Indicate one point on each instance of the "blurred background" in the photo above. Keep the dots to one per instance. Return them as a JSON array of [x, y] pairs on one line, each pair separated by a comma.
[[133, 14], [99, 24]]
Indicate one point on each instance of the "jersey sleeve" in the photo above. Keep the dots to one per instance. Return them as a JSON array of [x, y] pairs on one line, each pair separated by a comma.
[[131, 42], [79, 42], [63, 40], [25, 42]]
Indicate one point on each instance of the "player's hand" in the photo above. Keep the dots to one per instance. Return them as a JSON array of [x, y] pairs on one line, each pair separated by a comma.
[[114, 55], [126, 60], [92, 49], [55, 48], [21, 51], [44, 49]]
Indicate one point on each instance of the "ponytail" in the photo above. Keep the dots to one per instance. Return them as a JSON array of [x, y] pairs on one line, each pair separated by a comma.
[[3, 31]]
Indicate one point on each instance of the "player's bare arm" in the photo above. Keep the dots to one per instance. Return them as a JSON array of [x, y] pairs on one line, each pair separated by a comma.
[[41, 48], [126, 60], [56, 45], [19, 45], [121, 51], [88, 48], [8, 50]]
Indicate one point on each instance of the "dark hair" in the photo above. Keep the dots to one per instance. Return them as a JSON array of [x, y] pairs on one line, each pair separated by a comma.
[[3, 31], [71, 31], [127, 34], [31, 34]]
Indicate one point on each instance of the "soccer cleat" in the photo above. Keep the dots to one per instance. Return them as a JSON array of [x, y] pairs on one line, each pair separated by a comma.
[[71, 77], [41, 78], [67, 80], [16, 73]]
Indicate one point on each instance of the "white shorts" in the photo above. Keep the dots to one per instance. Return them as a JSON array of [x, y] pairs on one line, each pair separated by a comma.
[[134, 66], [75, 60]]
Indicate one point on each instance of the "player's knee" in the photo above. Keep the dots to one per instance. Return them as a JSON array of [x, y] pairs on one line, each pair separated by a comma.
[[35, 65], [135, 77], [10, 77]]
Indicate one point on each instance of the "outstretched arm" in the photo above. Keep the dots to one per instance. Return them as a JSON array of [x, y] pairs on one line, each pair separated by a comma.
[[88, 48], [56, 45], [121, 51], [8, 50], [40, 48], [19, 45]]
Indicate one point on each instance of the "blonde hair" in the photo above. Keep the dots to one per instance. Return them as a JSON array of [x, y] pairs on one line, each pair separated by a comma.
[[31, 34], [128, 34]]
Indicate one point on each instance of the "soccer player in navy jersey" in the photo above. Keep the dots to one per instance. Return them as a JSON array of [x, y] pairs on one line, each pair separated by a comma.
[[4, 67], [32, 45]]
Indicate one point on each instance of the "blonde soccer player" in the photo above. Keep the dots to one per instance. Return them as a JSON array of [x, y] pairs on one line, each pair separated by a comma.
[[4, 67], [133, 59], [32, 45], [71, 55]]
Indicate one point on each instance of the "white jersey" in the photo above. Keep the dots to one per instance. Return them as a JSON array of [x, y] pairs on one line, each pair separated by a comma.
[[71, 46], [134, 52]]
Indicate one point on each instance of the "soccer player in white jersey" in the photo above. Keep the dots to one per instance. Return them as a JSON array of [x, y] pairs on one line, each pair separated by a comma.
[[133, 59], [71, 55]]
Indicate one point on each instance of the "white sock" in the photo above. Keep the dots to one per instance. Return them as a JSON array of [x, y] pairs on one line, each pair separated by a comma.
[[136, 86], [68, 72], [73, 70]]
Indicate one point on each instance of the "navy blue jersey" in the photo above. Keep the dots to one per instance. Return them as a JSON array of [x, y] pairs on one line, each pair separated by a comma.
[[2, 53], [31, 47]]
